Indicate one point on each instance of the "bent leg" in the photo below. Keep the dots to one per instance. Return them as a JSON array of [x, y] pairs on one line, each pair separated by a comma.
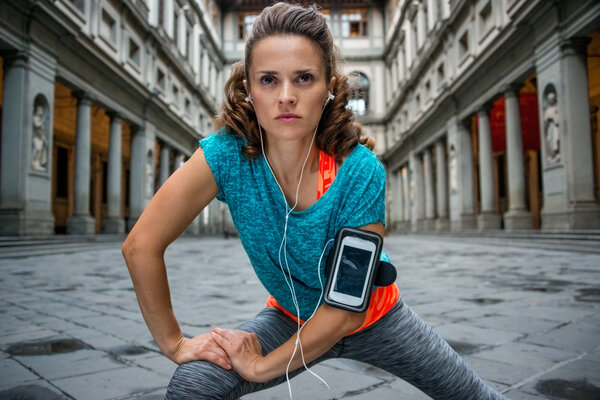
[[205, 380], [404, 345]]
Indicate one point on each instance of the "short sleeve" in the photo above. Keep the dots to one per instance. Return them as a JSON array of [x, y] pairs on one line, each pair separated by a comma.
[[220, 150], [366, 199]]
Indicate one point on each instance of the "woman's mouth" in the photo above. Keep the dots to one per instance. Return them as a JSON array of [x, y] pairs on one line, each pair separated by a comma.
[[287, 117]]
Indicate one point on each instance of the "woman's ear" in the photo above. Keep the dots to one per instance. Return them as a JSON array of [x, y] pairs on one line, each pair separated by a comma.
[[245, 86], [331, 85]]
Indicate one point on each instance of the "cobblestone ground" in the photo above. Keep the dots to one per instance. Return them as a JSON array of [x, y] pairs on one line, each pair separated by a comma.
[[527, 320]]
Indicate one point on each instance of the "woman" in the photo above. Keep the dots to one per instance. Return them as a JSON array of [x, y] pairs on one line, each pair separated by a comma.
[[286, 139]]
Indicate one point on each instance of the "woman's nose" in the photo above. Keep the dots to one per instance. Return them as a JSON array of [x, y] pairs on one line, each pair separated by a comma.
[[287, 94]]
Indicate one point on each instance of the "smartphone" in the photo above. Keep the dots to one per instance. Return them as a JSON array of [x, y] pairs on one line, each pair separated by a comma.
[[351, 279]]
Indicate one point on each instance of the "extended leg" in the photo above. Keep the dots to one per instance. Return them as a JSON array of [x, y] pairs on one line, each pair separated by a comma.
[[403, 344]]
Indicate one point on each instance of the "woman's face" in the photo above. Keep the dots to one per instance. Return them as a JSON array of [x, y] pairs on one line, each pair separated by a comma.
[[288, 86]]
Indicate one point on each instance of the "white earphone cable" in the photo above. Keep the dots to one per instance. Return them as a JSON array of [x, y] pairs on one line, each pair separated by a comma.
[[283, 246]]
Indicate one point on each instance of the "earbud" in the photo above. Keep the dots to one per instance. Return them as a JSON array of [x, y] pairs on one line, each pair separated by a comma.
[[329, 98], [248, 99]]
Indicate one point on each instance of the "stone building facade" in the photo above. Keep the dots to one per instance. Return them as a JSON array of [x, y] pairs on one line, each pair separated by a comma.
[[101, 102], [485, 112], [492, 115]]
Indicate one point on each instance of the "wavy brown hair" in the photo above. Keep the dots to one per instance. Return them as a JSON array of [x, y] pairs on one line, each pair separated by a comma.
[[338, 132]]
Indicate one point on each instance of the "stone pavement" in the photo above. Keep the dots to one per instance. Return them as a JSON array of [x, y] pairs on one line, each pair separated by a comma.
[[526, 319]]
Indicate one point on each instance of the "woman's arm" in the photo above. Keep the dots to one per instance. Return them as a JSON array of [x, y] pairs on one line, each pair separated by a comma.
[[179, 200], [328, 326]]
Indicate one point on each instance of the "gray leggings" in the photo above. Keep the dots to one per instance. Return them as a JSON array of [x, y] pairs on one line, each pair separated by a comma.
[[400, 343]]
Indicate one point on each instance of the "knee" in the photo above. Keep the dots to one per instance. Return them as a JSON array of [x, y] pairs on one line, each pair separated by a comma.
[[201, 380]]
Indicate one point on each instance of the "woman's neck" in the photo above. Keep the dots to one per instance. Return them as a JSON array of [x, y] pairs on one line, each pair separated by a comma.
[[287, 157]]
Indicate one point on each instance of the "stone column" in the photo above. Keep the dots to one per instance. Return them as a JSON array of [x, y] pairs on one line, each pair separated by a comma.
[[429, 191], [82, 222], [417, 192], [165, 169], [460, 165], [441, 223], [488, 218], [114, 223], [25, 183], [141, 172], [398, 200], [406, 198], [565, 136], [179, 160], [517, 217]]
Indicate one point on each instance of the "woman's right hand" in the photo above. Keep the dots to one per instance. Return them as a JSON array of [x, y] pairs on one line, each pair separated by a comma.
[[202, 347]]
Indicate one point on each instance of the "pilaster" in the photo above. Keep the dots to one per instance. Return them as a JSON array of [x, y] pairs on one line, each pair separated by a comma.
[[25, 191]]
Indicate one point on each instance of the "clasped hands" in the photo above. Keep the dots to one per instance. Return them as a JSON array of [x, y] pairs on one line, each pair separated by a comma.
[[227, 348]]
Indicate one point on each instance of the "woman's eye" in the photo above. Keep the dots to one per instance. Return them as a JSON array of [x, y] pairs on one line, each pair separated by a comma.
[[305, 78], [267, 80]]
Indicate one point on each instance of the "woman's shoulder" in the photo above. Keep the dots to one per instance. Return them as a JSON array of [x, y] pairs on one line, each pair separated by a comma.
[[222, 139], [363, 158]]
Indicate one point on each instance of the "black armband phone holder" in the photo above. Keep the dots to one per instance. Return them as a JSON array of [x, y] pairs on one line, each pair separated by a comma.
[[378, 273]]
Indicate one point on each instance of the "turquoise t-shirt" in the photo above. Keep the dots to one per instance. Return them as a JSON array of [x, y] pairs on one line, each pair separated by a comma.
[[355, 198]]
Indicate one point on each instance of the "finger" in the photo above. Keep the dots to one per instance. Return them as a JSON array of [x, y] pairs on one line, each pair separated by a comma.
[[216, 359], [221, 341]]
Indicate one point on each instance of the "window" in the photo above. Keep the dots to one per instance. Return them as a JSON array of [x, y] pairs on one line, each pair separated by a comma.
[[463, 46], [161, 13], [485, 20], [188, 42], [358, 100], [176, 27], [175, 92], [160, 79], [108, 28], [187, 107], [134, 53], [79, 5], [415, 34], [441, 75], [245, 21], [354, 23]]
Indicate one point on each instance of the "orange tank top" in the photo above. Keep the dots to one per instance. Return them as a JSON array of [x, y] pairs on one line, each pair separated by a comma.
[[384, 297]]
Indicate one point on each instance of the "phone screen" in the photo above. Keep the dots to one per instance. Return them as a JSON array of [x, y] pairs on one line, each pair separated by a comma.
[[352, 271]]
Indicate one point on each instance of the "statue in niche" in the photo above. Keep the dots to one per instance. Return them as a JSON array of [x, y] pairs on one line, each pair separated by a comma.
[[453, 170], [39, 143], [551, 125], [149, 175]]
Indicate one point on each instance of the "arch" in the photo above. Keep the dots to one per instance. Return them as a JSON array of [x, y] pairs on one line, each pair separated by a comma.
[[358, 101]]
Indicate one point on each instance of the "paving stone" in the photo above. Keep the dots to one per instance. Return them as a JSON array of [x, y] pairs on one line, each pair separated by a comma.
[[34, 389], [306, 385], [111, 384], [66, 365], [528, 326], [461, 332], [14, 373], [537, 357]]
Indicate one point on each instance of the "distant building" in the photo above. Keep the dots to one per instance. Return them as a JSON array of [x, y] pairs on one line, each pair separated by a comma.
[[485, 112]]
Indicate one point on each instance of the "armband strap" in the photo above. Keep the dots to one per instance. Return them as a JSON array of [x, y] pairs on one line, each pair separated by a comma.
[[385, 274]]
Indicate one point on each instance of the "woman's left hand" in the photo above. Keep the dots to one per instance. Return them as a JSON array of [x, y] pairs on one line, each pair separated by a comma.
[[243, 349]]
